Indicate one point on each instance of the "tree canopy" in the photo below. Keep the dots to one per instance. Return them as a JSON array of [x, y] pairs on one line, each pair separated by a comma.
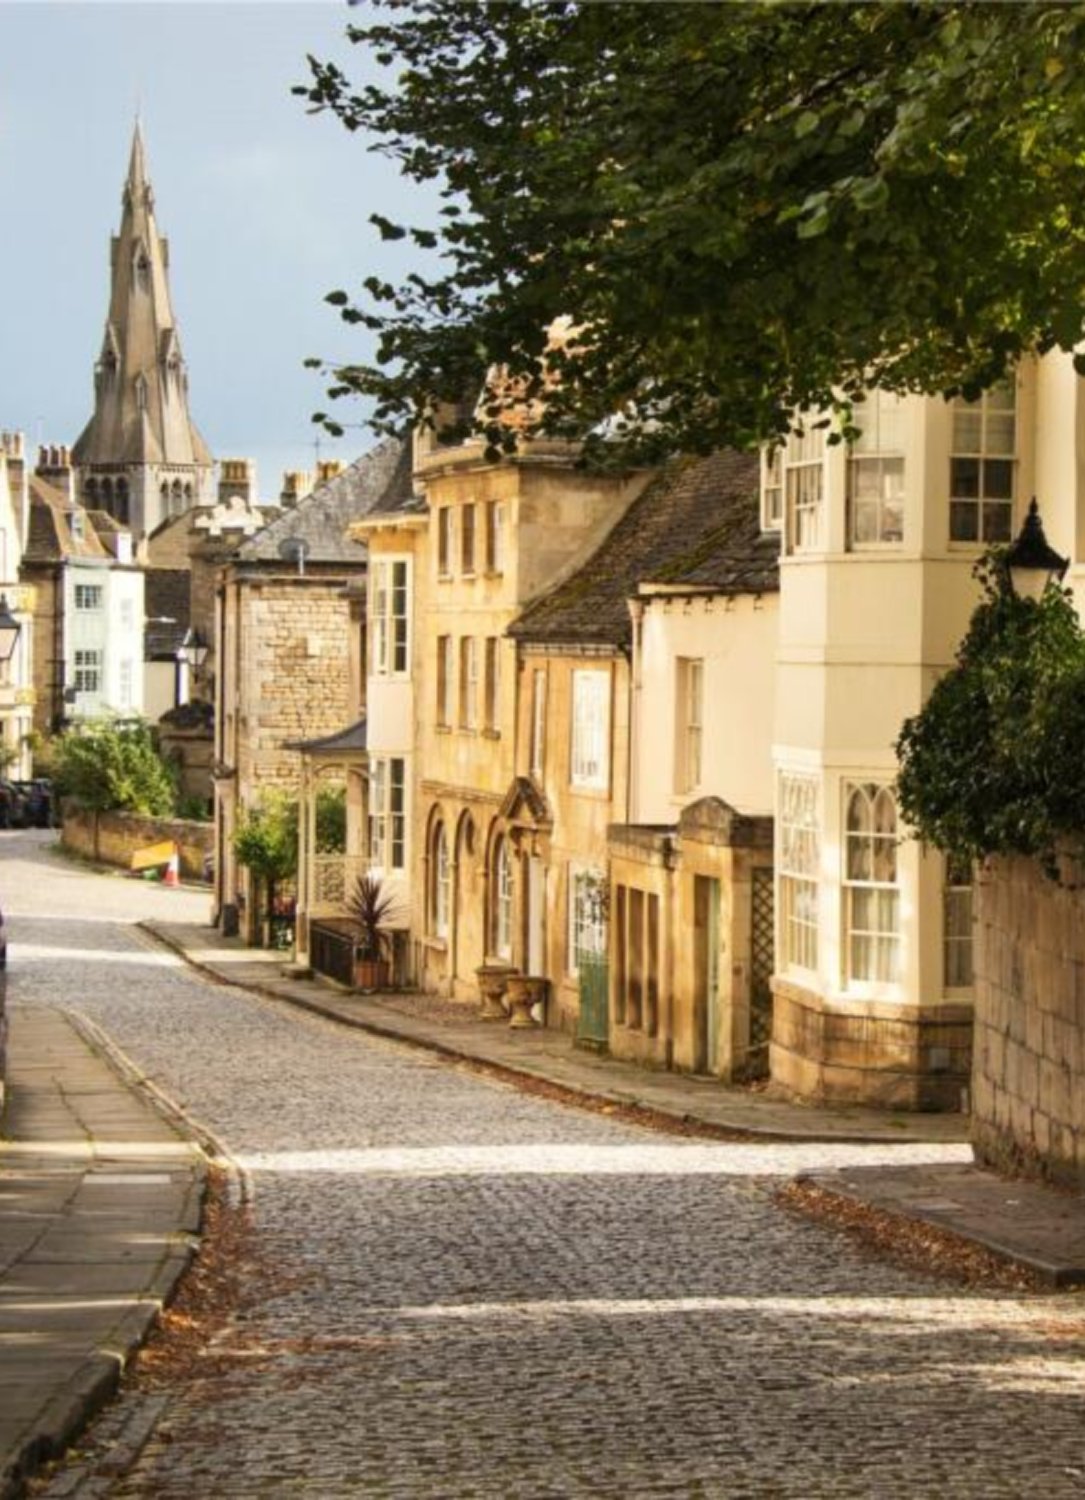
[[746, 209]]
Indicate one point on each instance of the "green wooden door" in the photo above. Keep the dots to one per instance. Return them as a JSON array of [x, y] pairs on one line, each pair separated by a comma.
[[712, 974], [594, 976]]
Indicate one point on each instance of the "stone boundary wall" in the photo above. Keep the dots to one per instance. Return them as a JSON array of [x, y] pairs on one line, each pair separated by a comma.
[[1028, 1086], [111, 838]]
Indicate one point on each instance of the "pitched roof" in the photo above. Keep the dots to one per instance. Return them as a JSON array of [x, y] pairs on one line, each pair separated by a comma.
[[697, 523], [322, 517], [167, 601], [50, 537]]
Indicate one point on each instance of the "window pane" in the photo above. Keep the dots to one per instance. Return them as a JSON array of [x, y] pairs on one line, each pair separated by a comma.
[[967, 427], [964, 521], [998, 479], [997, 522], [1000, 432], [964, 478]]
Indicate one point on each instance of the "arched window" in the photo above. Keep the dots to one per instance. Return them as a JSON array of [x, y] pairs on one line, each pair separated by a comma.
[[442, 883], [502, 899], [91, 494], [870, 882], [177, 501], [107, 495], [122, 501]]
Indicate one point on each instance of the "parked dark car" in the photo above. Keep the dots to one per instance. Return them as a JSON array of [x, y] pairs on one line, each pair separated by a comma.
[[13, 812], [38, 802]]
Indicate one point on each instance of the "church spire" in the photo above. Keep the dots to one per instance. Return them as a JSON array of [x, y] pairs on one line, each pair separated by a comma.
[[140, 456]]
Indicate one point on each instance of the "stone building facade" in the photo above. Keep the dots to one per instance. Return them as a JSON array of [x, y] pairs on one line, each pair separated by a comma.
[[1028, 1084], [288, 604]]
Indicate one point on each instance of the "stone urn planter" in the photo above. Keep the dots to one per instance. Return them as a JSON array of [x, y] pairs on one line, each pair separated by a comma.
[[525, 991], [493, 980]]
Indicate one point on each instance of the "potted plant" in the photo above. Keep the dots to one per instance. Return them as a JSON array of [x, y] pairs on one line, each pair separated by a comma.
[[373, 907]]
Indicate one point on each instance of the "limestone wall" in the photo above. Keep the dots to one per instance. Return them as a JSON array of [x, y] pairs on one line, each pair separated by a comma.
[[1028, 1093], [113, 837]]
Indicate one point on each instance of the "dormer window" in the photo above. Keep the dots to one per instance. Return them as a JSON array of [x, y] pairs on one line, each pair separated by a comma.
[[77, 527]]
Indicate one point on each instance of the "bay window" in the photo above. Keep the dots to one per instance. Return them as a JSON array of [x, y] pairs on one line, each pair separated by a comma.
[[799, 866], [387, 814], [876, 473], [983, 466], [804, 472], [389, 615], [871, 891]]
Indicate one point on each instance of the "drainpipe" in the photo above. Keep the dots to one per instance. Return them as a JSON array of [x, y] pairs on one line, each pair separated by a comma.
[[632, 801]]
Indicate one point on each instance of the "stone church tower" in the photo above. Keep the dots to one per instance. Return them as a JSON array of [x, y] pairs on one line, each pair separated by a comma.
[[140, 457]]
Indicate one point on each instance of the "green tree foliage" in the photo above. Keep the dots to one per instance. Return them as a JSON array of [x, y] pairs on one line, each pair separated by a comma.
[[266, 838], [995, 761], [749, 208], [112, 765]]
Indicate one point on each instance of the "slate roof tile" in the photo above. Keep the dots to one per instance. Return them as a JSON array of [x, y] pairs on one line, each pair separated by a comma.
[[697, 523]]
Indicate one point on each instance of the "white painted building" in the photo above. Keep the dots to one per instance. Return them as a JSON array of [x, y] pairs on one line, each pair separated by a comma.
[[103, 638], [873, 952]]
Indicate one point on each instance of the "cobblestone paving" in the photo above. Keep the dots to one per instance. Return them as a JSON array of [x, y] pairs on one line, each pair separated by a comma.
[[491, 1295]]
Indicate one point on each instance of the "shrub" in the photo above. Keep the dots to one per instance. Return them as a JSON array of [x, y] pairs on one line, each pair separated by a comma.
[[995, 761], [108, 765]]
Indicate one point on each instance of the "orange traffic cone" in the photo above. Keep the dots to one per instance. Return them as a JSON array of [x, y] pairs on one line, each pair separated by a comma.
[[173, 871]]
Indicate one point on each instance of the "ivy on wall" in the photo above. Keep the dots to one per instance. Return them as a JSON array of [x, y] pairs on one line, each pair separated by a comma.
[[995, 761]]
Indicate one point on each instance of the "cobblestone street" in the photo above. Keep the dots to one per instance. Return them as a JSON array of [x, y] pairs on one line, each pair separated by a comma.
[[481, 1293]]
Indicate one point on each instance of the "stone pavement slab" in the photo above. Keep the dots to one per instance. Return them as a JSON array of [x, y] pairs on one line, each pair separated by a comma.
[[1027, 1224], [549, 1056], [100, 1205]]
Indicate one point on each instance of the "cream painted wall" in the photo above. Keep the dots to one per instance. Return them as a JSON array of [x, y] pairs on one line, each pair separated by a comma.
[[736, 639]]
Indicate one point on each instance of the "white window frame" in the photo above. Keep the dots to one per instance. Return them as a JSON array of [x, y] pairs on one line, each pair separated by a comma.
[[772, 487], [958, 911], [586, 931], [126, 679], [589, 754], [689, 749], [874, 454], [88, 669], [868, 853], [798, 865], [804, 486], [89, 597], [387, 814], [390, 616], [442, 884], [504, 887], [986, 407]]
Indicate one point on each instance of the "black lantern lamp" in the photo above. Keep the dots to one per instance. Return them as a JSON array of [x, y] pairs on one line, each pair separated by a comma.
[[1032, 563], [194, 650], [10, 630]]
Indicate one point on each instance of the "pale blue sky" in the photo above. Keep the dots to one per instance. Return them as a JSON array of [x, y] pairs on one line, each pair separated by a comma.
[[265, 208]]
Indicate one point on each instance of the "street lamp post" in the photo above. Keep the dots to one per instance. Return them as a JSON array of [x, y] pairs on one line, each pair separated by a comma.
[[191, 654], [1031, 562]]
